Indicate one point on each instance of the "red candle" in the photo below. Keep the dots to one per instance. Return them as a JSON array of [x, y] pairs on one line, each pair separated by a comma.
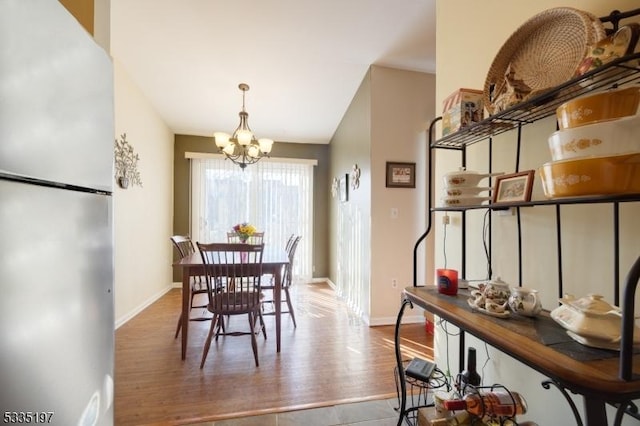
[[447, 281]]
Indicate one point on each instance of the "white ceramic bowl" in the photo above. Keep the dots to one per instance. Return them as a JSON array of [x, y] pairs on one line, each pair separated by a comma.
[[605, 138]]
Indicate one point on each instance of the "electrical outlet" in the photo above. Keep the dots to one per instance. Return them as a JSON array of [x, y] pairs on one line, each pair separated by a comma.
[[445, 219], [394, 282]]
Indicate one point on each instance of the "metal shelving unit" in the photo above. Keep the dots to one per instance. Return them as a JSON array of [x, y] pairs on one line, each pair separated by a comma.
[[620, 72], [616, 73]]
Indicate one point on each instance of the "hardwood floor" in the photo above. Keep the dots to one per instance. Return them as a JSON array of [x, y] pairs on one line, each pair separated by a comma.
[[331, 357]]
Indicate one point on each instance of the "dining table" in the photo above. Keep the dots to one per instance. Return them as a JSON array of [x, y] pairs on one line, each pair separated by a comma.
[[274, 259]]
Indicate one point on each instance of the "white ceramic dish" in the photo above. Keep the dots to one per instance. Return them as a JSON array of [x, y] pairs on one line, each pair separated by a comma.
[[462, 191], [471, 200], [603, 138], [591, 317], [465, 178], [595, 343]]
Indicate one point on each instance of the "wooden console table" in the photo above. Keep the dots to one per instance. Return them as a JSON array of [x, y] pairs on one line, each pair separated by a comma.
[[543, 345]]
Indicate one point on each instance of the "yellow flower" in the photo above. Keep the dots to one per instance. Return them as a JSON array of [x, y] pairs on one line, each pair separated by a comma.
[[244, 230]]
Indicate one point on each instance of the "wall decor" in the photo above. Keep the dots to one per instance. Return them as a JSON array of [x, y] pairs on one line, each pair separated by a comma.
[[334, 187], [126, 163], [513, 187], [343, 188], [355, 177], [401, 175]]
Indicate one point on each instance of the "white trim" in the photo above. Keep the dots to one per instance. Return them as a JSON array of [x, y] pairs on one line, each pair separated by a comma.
[[373, 322], [209, 155], [411, 319], [121, 321]]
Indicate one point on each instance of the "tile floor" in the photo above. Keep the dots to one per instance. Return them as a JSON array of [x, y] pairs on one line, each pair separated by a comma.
[[367, 413]]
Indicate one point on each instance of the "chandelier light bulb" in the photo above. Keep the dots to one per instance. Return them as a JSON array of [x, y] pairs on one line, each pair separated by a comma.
[[229, 149], [244, 137], [253, 151], [265, 145], [222, 139]]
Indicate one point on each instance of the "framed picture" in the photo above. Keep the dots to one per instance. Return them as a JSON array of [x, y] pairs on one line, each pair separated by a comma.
[[343, 188], [513, 187], [401, 175]]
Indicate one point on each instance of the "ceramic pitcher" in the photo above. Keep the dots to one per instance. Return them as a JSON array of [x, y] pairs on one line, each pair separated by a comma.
[[525, 301]]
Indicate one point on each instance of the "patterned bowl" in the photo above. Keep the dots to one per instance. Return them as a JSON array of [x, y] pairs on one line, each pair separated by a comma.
[[600, 106], [622, 42], [618, 174], [613, 137]]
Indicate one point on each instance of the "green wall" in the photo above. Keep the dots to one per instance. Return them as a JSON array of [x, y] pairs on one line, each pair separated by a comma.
[[321, 190]]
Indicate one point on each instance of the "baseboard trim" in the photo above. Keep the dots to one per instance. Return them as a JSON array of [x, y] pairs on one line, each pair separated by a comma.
[[411, 319], [124, 319], [374, 322]]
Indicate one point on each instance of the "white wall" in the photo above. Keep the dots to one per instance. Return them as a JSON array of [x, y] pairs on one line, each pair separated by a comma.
[[349, 242], [386, 121], [401, 110], [143, 216], [469, 35]]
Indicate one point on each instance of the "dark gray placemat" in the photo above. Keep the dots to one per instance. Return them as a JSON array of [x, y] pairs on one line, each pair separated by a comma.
[[556, 337]]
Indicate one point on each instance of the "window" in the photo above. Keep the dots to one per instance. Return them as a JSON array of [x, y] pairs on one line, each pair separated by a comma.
[[275, 195]]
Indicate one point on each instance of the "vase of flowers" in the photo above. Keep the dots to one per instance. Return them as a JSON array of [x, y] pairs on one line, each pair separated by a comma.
[[244, 230]]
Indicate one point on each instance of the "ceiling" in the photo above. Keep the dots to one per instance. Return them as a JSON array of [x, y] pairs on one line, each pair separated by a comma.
[[303, 60]]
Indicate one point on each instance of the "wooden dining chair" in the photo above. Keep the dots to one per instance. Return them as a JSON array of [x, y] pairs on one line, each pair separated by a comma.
[[256, 238], [184, 246], [287, 279], [268, 278], [240, 266]]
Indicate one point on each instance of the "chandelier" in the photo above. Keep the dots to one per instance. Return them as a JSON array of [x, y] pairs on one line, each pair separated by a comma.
[[242, 147]]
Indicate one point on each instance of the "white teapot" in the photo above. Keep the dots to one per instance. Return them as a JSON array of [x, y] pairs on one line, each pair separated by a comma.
[[496, 290], [492, 296], [525, 301]]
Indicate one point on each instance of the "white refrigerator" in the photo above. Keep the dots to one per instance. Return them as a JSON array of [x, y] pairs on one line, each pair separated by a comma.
[[56, 238]]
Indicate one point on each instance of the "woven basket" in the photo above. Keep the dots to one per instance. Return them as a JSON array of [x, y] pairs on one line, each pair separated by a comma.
[[542, 53]]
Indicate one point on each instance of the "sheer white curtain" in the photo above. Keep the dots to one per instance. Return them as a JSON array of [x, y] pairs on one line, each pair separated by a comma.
[[275, 195]]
